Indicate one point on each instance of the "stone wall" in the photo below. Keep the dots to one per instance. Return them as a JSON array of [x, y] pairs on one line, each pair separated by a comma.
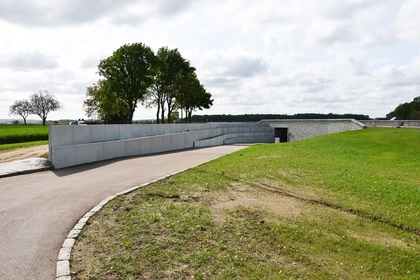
[[395, 123], [303, 129]]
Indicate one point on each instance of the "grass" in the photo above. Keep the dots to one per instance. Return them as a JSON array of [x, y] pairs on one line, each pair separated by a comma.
[[342, 206], [6, 147], [11, 134]]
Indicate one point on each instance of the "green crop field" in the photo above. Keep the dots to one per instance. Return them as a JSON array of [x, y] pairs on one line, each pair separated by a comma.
[[342, 206], [12, 134]]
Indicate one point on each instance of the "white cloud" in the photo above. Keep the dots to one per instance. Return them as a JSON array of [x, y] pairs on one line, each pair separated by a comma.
[[30, 61], [408, 22], [267, 56]]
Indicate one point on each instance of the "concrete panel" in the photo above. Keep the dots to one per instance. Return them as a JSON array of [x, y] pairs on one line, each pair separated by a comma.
[[132, 147], [178, 141], [154, 130], [156, 143], [125, 131], [114, 149], [136, 130], [60, 135], [161, 129], [97, 133], [89, 153], [145, 130], [64, 156], [144, 145], [112, 132], [167, 142], [81, 134]]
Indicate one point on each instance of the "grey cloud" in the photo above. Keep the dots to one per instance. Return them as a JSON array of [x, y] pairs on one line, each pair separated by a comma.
[[68, 12], [159, 9], [36, 13], [237, 66], [220, 82], [172, 7], [31, 60], [342, 10], [246, 67]]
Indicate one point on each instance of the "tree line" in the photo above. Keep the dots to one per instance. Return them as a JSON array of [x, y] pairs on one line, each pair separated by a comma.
[[258, 117], [407, 111], [135, 75], [40, 103]]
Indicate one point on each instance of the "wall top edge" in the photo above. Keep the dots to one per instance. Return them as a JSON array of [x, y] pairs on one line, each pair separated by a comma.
[[306, 120]]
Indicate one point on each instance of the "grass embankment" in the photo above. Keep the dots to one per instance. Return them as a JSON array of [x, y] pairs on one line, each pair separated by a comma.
[[343, 206], [22, 136]]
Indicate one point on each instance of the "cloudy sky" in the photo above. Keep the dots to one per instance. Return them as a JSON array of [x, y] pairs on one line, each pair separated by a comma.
[[262, 56]]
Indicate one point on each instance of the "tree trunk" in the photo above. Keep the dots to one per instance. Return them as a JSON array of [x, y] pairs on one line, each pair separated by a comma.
[[130, 116], [162, 119], [157, 113]]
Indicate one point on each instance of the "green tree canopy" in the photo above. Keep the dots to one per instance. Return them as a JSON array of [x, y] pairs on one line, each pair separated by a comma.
[[192, 95], [128, 74], [407, 111], [101, 103], [169, 70]]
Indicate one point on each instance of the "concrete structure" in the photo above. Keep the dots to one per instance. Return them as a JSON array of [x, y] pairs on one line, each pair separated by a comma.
[[74, 145], [296, 130], [394, 123]]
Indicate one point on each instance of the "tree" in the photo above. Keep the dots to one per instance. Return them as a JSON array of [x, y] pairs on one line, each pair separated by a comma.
[[128, 75], [42, 103], [192, 96], [21, 108], [100, 103], [168, 71], [407, 111]]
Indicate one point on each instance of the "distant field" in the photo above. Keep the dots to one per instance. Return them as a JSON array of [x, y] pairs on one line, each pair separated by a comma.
[[11, 134], [341, 206]]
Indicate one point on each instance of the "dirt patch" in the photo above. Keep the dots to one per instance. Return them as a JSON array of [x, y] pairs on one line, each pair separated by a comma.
[[24, 153]]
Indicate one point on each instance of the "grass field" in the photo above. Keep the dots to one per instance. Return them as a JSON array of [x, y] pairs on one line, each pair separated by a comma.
[[11, 134], [342, 206]]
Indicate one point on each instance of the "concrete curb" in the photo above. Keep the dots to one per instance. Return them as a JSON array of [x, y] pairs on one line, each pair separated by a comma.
[[63, 271], [25, 166]]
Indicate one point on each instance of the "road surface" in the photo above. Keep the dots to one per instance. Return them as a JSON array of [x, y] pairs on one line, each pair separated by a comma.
[[38, 210]]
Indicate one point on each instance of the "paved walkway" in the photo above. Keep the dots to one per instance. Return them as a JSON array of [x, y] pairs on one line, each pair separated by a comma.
[[38, 210]]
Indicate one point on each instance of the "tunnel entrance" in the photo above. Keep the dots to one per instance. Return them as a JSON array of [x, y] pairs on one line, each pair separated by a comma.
[[282, 133]]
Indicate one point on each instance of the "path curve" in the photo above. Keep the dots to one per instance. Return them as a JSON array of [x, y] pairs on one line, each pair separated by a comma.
[[38, 210]]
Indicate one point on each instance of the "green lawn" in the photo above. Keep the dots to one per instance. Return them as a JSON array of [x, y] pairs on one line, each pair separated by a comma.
[[342, 206]]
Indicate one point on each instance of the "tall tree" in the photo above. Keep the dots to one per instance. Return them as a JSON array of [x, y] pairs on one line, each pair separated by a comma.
[[128, 74], [21, 108], [42, 103], [407, 111], [100, 103], [169, 70], [192, 95]]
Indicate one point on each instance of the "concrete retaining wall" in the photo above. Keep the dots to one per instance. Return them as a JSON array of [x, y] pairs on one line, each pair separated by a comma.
[[303, 129], [74, 145], [387, 123]]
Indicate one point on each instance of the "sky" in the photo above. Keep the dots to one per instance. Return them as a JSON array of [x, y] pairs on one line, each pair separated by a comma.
[[254, 57]]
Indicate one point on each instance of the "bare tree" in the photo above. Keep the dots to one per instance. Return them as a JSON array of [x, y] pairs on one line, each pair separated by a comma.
[[21, 108], [43, 103]]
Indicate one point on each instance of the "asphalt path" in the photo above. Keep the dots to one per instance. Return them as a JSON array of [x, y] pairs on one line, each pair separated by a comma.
[[38, 210]]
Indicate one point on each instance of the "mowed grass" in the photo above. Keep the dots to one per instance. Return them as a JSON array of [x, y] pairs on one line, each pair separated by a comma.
[[12, 134], [342, 206]]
